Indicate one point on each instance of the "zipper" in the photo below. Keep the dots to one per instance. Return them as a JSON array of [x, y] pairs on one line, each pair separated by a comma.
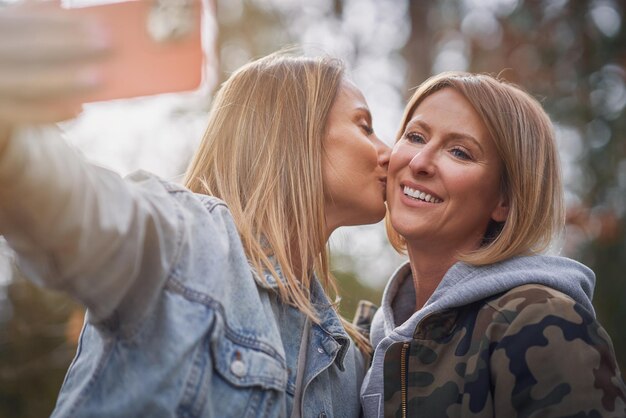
[[404, 366]]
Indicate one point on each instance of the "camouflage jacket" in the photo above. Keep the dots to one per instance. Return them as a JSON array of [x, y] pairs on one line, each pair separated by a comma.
[[529, 352]]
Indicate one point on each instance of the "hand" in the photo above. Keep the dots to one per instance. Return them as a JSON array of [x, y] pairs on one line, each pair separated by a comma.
[[47, 59]]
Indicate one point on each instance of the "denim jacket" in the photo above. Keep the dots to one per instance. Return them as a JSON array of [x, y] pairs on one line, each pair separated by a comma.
[[177, 323]]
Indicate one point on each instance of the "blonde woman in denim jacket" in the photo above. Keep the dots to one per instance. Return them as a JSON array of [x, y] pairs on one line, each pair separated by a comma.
[[209, 300]]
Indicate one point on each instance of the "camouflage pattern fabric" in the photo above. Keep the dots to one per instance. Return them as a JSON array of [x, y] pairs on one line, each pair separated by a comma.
[[530, 352]]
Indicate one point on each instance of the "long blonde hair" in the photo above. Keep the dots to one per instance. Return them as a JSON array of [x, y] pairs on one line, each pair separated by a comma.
[[531, 177], [262, 154]]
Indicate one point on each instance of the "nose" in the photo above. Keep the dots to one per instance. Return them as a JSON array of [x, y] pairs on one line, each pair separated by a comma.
[[384, 151], [423, 162]]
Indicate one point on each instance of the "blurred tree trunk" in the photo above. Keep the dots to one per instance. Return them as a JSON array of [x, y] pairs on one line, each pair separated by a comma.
[[419, 49]]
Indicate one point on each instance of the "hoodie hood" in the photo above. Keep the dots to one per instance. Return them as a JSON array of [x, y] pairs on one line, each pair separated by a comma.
[[464, 284]]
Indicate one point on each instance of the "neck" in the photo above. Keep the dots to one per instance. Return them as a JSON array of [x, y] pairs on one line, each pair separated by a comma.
[[331, 225], [296, 262], [431, 260], [428, 268]]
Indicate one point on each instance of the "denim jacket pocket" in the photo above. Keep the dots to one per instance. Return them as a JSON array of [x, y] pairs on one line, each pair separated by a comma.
[[246, 365], [232, 379], [248, 381]]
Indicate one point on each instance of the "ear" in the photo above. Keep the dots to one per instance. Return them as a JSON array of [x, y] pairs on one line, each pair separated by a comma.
[[501, 210]]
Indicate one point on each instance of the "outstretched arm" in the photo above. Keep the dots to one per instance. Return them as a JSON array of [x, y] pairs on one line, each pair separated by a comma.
[[74, 226]]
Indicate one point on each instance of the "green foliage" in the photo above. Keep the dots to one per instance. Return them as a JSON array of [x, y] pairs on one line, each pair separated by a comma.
[[608, 262], [352, 291], [34, 351]]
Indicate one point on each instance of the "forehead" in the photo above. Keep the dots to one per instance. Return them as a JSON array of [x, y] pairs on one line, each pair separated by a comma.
[[349, 95], [447, 99], [450, 109]]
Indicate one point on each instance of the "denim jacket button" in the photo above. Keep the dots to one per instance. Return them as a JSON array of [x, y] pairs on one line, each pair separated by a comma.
[[321, 351], [238, 368], [322, 415]]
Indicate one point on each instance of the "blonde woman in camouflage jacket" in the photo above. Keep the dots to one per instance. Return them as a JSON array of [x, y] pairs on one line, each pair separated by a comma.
[[479, 324]]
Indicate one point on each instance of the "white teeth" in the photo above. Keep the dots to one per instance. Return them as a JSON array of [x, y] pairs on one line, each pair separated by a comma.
[[416, 194]]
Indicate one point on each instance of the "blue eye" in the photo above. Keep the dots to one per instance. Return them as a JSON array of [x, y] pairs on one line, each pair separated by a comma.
[[461, 154], [414, 138]]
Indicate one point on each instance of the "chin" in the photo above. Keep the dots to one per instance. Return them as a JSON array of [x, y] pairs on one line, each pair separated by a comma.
[[371, 217], [403, 227]]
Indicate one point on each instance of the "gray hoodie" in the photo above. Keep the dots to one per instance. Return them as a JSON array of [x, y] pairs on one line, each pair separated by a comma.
[[462, 284]]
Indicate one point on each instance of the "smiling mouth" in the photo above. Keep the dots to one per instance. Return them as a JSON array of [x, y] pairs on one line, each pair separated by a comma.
[[417, 195]]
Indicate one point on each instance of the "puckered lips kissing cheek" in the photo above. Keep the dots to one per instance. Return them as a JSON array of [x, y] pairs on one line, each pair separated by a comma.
[[418, 196]]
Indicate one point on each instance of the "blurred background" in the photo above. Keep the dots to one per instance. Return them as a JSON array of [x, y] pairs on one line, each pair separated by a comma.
[[571, 55]]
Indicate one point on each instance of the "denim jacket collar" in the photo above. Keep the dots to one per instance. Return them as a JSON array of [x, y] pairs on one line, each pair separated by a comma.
[[330, 322], [329, 319]]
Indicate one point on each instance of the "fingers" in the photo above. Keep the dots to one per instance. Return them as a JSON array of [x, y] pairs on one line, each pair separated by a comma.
[[13, 114], [46, 84], [48, 59], [41, 40]]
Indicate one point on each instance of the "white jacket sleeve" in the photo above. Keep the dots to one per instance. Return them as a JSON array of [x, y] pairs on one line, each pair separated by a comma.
[[76, 227]]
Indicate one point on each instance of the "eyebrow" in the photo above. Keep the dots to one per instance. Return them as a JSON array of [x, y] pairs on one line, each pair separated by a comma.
[[454, 135], [360, 110]]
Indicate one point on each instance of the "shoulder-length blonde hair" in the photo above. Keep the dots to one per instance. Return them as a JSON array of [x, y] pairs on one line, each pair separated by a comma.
[[262, 154], [531, 177]]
